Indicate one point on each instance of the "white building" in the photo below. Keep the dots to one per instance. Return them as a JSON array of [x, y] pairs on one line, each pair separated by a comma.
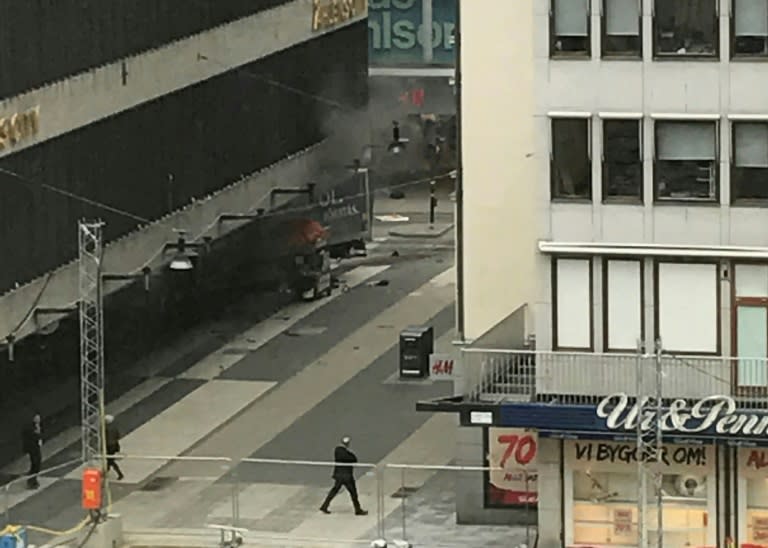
[[614, 189]]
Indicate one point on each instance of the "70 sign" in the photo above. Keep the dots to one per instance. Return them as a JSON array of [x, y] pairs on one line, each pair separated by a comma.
[[520, 447]]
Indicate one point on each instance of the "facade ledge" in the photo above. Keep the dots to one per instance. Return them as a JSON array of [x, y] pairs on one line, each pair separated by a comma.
[[652, 250]]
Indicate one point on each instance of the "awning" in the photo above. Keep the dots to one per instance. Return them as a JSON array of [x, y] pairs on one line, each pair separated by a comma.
[[652, 250]]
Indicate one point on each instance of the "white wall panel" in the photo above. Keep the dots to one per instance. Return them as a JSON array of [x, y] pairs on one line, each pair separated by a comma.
[[623, 281], [573, 302], [688, 307]]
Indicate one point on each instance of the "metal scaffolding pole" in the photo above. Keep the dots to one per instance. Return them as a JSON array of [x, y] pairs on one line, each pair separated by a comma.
[[91, 338], [649, 443]]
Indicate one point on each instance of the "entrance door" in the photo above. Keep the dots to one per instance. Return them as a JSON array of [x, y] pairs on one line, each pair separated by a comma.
[[751, 326]]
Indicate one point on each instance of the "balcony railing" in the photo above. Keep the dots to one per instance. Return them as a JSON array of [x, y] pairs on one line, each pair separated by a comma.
[[581, 378]]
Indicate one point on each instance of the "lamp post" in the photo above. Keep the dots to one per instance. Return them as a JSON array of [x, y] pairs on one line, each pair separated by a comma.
[[358, 168]]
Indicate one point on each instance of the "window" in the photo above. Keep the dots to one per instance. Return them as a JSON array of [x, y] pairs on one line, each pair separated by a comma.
[[604, 493], [751, 469], [751, 324], [623, 312], [687, 307], [572, 303], [685, 28], [749, 166], [571, 169], [621, 28], [750, 28], [569, 28], [622, 160], [686, 161]]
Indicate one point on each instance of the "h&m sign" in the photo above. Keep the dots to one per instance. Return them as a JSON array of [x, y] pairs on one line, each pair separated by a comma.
[[713, 415]]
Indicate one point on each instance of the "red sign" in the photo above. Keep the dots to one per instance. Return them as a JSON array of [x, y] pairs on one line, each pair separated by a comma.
[[92, 489], [513, 451], [415, 97]]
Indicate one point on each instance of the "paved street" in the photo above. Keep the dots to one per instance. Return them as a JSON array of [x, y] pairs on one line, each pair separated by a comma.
[[288, 388]]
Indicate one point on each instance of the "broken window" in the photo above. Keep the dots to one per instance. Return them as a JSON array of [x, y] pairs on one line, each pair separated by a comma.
[[571, 169], [686, 161], [749, 167], [750, 27], [569, 28], [622, 160], [685, 28], [621, 28]]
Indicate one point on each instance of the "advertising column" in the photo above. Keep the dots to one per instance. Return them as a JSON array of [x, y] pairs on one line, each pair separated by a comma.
[[602, 496]]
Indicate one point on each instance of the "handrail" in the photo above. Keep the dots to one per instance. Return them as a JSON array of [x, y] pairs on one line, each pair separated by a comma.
[[309, 462]]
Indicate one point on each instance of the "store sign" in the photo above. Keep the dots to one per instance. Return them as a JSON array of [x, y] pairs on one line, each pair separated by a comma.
[[442, 367], [627, 453], [397, 32], [19, 127], [327, 14], [716, 414], [512, 453]]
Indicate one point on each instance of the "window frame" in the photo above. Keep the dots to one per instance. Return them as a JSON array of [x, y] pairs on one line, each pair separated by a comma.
[[638, 118], [718, 305], [603, 35], [657, 200], [657, 56], [736, 302], [587, 118], [732, 40], [574, 55], [606, 324], [742, 202], [554, 288]]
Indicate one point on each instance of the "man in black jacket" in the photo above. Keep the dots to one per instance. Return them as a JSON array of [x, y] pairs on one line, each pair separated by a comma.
[[343, 476], [112, 445], [32, 444]]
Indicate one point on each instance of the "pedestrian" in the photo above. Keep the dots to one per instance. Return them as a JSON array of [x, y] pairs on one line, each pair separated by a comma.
[[32, 444], [343, 476], [113, 445]]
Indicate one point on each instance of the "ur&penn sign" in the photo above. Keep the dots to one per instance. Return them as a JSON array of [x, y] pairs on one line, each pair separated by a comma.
[[717, 414]]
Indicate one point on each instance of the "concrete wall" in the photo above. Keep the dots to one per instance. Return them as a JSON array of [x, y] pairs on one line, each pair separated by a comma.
[[499, 170], [102, 92], [144, 246]]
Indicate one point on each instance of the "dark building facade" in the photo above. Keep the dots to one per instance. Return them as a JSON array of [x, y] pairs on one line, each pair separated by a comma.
[[158, 156]]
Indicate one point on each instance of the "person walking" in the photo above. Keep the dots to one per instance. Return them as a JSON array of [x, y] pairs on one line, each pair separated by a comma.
[[32, 445], [113, 445], [343, 476]]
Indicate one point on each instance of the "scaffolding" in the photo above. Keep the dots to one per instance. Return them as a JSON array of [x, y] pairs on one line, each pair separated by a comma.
[[91, 338], [649, 444]]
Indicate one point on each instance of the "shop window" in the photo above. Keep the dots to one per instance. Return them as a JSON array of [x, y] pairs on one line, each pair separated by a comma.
[[621, 28], [571, 165], [750, 28], [569, 28], [751, 329], [751, 468], [685, 28], [623, 304], [687, 307], [749, 168], [572, 303], [622, 160], [685, 168]]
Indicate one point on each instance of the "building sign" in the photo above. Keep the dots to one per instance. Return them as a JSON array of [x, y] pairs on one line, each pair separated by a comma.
[[512, 452], [753, 462], [397, 33], [587, 453], [714, 414], [327, 14], [19, 127], [442, 367]]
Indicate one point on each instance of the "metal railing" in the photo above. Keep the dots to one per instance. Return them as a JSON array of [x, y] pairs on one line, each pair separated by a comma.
[[573, 378], [204, 498]]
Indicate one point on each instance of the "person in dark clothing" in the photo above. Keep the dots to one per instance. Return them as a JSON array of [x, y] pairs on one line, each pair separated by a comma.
[[32, 445], [343, 476], [112, 435]]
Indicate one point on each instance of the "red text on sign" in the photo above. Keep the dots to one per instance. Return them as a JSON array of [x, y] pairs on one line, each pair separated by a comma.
[[442, 367], [522, 448]]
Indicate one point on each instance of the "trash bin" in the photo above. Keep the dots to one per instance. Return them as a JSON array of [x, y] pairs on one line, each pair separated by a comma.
[[13, 537], [416, 344]]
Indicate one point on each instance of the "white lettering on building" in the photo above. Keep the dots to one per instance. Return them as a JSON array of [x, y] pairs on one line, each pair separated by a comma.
[[713, 412]]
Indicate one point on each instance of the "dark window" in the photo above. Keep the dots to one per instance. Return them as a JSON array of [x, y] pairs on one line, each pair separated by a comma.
[[750, 27], [749, 168], [621, 28], [569, 28], [686, 161], [622, 160], [571, 170], [685, 28]]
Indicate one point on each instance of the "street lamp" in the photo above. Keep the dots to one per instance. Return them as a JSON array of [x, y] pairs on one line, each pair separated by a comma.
[[398, 142], [358, 168], [184, 251]]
